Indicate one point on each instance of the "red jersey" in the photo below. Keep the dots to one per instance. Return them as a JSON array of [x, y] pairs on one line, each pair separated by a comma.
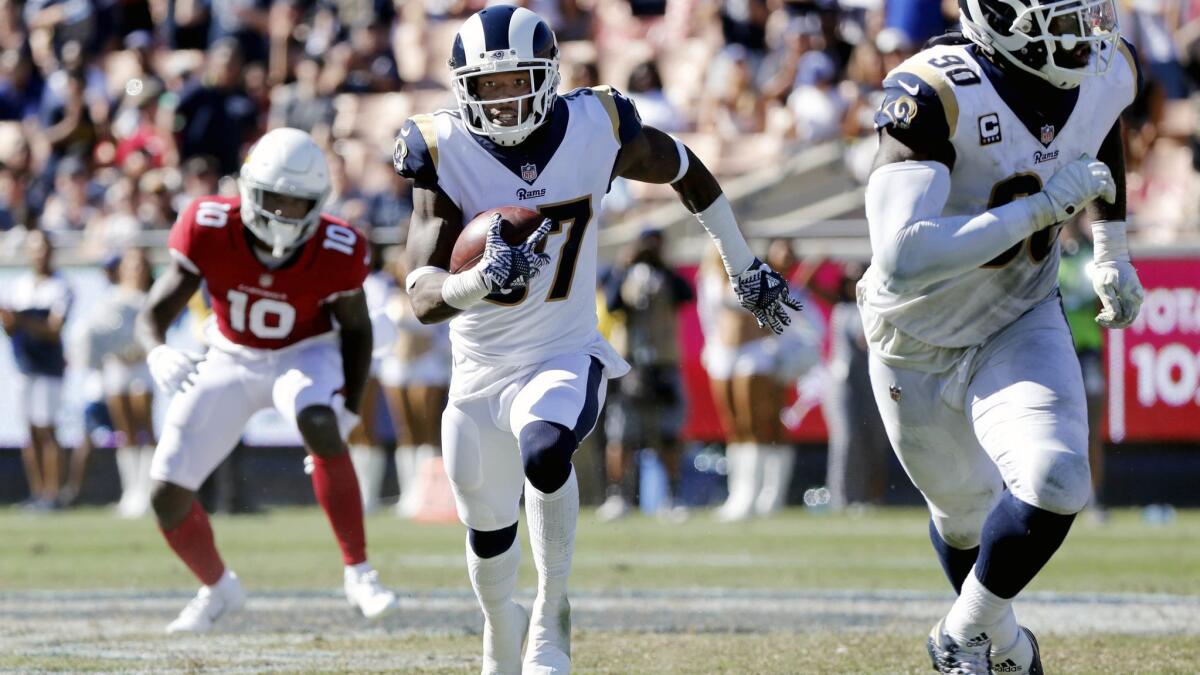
[[257, 306]]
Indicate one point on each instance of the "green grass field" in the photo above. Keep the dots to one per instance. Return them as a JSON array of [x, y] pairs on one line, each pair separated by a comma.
[[802, 593]]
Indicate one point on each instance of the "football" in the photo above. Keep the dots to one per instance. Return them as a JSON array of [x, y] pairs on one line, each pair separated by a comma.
[[516, 226]]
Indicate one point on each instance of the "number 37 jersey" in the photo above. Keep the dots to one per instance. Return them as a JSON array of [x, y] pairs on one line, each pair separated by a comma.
[[563, 171], [258, 307], [1005, 145]]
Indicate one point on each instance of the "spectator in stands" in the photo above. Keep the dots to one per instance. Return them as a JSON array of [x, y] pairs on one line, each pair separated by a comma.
[[33, 310], [646, 91], [918, 20], [859, 451], [390, 206], [215, 116], [245, 21], [67, 120], [69, 208], [744, 23], [21, 85], [734, 107], [647, 408], [200, 178], [301, 104], [817, 107]]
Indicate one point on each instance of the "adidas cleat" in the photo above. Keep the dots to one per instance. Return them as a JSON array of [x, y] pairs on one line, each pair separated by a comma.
[[970, 658]]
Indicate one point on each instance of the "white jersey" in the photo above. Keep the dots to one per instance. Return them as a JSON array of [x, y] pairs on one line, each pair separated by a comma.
[[563, 179], [998, 158]]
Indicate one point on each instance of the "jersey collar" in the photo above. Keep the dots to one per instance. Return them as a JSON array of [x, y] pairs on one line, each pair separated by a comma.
[[1043, 108], [528, 160]]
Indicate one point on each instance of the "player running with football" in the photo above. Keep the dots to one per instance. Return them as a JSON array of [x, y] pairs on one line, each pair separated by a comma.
[[279, 274], [987, 147], [529, 365]]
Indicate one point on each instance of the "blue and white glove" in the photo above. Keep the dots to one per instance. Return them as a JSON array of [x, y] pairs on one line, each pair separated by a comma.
[[764, 293], [1113, 277], [172, 369], [507, 267]]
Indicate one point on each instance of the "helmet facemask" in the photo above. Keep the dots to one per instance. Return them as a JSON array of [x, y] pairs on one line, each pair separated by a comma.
[[1061, 42], [268, 222], [532, 109]]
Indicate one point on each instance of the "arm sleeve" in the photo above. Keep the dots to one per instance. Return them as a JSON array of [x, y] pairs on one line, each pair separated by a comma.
[[414, 155], [914, 245]]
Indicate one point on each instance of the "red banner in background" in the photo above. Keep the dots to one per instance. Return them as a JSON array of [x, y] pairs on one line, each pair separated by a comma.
[[1154, 365]]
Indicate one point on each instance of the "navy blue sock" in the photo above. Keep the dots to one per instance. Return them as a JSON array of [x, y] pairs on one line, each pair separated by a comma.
[[493, 542], [1018, 539], [546, 448], [956, 562]]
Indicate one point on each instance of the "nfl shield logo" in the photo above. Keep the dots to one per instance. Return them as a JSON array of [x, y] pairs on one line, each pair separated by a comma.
[[1047, 134], [265, 281], [529, 173]]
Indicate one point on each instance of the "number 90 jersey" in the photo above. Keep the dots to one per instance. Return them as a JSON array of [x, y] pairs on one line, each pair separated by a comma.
[[259, 307], [1005, 145], [563, 171]]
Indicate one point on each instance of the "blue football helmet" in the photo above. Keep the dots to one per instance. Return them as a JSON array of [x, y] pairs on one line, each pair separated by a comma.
[[505, 38]]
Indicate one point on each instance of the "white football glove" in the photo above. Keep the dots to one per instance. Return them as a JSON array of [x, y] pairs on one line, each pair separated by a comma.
[[1113, 277], [172, 369], [1073, 187], [764, 293], [1120, 292], [506, 267]]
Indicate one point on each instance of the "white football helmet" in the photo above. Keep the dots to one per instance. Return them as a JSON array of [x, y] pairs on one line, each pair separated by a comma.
[[499, 39], [1060, 41], [286, 162]]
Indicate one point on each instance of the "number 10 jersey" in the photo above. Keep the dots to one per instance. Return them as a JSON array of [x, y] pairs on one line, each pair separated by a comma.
[[256, 306]]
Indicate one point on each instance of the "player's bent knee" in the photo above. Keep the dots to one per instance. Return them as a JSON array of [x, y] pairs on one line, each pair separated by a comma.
[[493, 542], [1061, 484], [318, 425], [546, 449], [171, 503]]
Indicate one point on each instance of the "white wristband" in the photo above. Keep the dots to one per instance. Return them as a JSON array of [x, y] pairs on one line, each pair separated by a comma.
[[464, 289], [1109, 242], [723, 228], [683, 161], [410, 281]]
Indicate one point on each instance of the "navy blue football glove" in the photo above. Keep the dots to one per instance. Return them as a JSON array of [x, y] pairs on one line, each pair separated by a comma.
[[507, 267], [764, 293]]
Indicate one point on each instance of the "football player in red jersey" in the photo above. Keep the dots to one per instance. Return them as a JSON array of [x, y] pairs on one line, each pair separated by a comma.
[[279, 274]]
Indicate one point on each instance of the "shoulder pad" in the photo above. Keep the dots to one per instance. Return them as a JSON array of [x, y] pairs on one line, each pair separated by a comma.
[[919, 97], [415, 153], [622, 113]]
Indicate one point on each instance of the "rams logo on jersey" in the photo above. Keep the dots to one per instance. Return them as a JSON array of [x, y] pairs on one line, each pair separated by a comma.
[[399, 152], [902, 110]]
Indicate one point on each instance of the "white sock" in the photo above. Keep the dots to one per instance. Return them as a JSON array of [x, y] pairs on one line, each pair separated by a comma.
[[369, 465], [128, 465], [552, 518], [977, 610], [494, 580], [777, 462], [144, 482]]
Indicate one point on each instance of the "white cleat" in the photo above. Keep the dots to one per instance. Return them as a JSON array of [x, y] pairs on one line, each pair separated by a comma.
[[502, 642], [613, 508], [969, 658], [366, 594], [548, 651], [212, 602]]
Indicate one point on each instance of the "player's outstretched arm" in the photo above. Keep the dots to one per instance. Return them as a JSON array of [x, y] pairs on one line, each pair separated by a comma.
[[914, 245], [655, 157], [170, 368], [354, 331], [436, 224], [1114, 279]]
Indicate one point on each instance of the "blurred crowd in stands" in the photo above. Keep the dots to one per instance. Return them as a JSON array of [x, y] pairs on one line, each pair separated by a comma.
[[114, 114]]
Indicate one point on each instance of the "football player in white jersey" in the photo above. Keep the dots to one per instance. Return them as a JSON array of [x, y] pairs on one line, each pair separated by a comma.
[[529, 365], [989, 142]]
